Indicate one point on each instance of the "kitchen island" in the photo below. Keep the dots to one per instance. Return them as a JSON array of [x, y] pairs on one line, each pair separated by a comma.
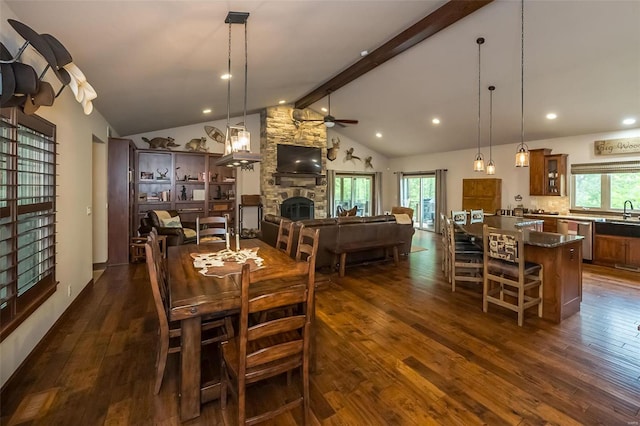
[[560, 255]]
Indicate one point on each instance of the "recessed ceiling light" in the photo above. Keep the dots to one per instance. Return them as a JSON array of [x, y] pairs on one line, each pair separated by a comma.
[[552, 116], [226, 76], [436, 121], [364, 53], [378, 135], [206, 111], [282, 102], [323, 109], [629, 121]]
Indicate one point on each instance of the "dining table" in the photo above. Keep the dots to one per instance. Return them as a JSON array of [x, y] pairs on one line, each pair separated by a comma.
[[194, 294], [560, 256]]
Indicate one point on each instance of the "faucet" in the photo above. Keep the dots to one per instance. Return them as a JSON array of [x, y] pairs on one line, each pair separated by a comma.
[[626, 215]]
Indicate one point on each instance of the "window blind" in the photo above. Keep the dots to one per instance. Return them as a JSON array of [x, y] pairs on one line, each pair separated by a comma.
[[605, 168]]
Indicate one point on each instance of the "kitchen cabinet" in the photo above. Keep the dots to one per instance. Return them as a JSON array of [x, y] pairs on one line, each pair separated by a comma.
[[614, 250], [482, 194], [547, 173]]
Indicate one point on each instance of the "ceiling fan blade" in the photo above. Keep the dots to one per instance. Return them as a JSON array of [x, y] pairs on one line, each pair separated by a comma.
[[321, 119], [345, 121]]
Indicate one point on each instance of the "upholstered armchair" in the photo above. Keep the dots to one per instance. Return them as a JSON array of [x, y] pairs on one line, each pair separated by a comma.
[[168, 223]]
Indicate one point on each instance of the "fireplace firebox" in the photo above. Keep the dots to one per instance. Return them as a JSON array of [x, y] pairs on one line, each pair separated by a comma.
[[297, 208]]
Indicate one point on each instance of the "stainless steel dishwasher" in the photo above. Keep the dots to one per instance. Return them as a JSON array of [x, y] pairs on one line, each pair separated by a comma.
[[579, 227]]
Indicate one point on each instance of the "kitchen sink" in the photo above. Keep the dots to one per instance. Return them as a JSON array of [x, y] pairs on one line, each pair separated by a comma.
[[618, 227]]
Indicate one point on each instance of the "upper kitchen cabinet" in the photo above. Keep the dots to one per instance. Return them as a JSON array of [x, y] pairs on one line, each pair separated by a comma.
[[547, 173]]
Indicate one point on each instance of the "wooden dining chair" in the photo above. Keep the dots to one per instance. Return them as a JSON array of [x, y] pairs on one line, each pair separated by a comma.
[[214, 329], [211, 229], [509, 280], [465, 259], [459, 217], [278, 345], [284, 241]]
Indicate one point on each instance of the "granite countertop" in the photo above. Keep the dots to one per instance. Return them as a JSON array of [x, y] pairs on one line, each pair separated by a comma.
[[634, 220], [533, 238]]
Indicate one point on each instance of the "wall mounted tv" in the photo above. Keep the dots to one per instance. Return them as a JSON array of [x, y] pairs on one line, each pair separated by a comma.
[[299, 159]]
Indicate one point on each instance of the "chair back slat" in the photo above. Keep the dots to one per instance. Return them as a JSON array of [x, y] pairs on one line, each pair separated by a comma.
[[308, 241], [275, 353], [208, 228], [277, 326], [278, 299]]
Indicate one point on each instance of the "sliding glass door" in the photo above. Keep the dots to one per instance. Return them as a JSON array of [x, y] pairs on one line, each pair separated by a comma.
[[419, 193], [354, 190]]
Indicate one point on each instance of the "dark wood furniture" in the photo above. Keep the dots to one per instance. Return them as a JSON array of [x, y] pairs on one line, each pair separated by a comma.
[[482, 194], [278, 343], [547, 173], [194, 295], [508, 280], [214, 328], [340, 251], [284, 241], [560, 256], [188, 182], [120, 213], [464, 258]]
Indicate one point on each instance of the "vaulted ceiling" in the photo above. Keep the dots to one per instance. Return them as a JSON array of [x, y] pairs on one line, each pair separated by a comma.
[[156, 65]]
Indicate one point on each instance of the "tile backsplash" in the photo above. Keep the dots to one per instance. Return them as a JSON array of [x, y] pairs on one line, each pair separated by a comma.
[[551, 204]]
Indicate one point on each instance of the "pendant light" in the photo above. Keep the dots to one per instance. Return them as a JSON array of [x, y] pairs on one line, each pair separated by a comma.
[[237, 142], [522, 156], [491, 167], [478, 164]]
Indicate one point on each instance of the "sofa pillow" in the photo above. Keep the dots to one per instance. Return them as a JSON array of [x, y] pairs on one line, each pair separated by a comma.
[[172, 222], [402, 219]]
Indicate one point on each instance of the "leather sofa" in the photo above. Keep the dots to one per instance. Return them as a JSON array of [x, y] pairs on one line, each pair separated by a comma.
[[348, 229], [176, 236]]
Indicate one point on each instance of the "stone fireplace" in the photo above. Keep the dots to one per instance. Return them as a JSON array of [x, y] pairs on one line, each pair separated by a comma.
[[302, 197]]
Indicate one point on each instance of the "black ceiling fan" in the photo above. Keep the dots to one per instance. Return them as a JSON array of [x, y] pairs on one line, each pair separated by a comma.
[[329, 120]]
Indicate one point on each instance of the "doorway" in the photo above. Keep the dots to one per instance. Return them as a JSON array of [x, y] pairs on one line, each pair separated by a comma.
[[419, 193]]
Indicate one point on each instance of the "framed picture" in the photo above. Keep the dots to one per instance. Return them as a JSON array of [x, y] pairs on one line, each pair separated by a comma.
[[146, 175]]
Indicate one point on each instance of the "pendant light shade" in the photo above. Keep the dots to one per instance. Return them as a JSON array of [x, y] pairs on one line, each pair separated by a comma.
[[237, 144], [478, 164], [491, 167], [522, 155]]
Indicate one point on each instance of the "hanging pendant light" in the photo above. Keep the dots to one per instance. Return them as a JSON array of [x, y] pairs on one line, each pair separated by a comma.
[[478, 164], [491, 167], [522, 156], [237, 144]]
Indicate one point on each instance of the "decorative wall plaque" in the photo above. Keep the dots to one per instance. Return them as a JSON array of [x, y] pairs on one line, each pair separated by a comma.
[[617, 146]]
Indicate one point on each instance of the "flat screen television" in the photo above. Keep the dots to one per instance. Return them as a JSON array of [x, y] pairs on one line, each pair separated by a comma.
[[299, 159]]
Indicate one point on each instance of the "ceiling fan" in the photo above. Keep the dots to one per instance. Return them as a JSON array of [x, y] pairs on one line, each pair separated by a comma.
[[329, 120]]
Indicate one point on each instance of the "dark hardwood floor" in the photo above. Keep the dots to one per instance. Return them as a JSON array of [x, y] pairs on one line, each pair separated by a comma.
[[395, 346]]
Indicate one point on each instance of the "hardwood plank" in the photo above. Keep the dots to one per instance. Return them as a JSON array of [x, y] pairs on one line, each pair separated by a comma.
[[395, 346]]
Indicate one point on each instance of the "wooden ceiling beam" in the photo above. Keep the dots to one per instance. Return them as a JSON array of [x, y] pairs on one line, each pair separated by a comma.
[[446, 15]]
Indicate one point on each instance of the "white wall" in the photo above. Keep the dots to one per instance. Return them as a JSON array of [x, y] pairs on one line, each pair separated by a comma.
[[248, 182], [515, 181], [74, 227], [379, 162]]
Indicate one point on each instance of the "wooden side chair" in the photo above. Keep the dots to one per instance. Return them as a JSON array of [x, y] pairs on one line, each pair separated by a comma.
[[214, 329], [277, 345], [212, 229], [465, 260], [284, 241], [509, 280]]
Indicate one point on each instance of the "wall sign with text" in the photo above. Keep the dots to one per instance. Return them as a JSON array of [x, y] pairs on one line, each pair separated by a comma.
[[617, 146]]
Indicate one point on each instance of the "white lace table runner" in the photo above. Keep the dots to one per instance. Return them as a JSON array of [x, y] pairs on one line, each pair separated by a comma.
[[225, 262]]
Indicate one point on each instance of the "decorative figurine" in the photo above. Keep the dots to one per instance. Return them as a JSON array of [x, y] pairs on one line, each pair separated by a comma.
[[197, 144], [160, 143], [332, 153], [183, 193], [161, 175], [349, 155]]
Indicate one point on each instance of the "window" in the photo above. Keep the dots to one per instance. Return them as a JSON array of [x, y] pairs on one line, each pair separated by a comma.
[[354, 190], [27, 215], [605, 186]]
